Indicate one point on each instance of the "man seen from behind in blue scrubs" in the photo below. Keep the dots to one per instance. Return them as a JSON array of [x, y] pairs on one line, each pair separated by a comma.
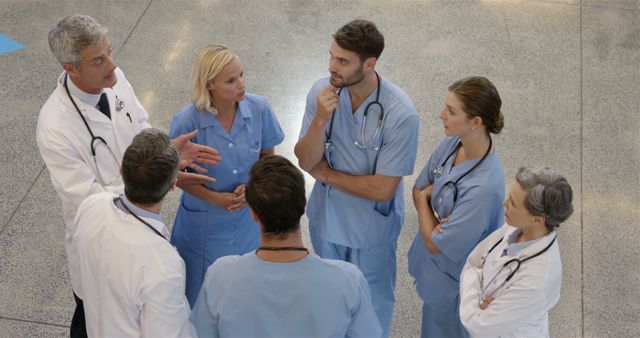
[[281, 290]]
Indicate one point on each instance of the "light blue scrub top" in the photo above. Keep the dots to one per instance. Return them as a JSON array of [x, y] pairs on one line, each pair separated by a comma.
[[245, 296], [477, 213], [345, 219], [203, 232]]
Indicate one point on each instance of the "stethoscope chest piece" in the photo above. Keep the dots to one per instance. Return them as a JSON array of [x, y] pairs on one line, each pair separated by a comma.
[[438, 171]]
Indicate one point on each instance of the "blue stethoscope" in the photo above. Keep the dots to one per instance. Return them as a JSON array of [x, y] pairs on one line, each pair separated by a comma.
[[363, 144], [95, 140], [517, 261], [453, 185]]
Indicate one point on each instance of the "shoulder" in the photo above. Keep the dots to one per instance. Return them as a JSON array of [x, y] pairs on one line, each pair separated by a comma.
[[319, 84], [256, 103], [398, 99], [337, 268], [446, 146], [223, 266], [490, 175], [54, 111], [99, 199], [188, 115], [120, 73]]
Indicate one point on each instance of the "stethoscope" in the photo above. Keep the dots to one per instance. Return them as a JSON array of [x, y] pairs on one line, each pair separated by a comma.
[[517, 261], [453, 185], [363, 144], [96, 139], [119, 200]]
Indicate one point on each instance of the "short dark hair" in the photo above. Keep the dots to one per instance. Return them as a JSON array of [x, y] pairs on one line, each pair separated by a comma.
[[276, 194], [149, 167], [480, 97], [361, 37]]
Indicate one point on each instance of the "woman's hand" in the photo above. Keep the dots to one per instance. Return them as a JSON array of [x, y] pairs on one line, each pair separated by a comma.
[[240, 201], [229, 201]]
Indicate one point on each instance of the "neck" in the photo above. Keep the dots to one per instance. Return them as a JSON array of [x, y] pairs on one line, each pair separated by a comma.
[[361, 90], [225, 108], [532, 233], [84, 88], [475, 144], [154, 208], [293, 239]]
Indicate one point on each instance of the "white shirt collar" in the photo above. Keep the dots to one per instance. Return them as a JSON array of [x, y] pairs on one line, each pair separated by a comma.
[[90, 99]]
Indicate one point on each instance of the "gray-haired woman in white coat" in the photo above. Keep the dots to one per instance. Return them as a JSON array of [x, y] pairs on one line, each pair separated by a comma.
[[512, 279]]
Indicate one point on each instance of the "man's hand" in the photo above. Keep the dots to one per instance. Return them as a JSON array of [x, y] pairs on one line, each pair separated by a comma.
[[321, 171], [190, 153], [485, 303], [185, 178], [327, 102]]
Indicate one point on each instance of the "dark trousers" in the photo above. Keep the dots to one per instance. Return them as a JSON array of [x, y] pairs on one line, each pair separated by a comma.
[[78, 326]]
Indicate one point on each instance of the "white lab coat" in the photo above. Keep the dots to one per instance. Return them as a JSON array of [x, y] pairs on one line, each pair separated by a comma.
[[64, 144], [132, 280], [521, 308]]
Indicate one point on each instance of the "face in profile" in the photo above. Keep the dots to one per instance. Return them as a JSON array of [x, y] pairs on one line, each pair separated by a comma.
[[345, 67], [96, 69], [515, 210], [456, 121]]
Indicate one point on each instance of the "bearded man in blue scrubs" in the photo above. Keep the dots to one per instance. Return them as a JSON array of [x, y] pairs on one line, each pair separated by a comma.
[[358, 139]]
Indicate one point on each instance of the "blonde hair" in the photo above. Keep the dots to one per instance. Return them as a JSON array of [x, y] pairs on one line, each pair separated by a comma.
[[211, 60]]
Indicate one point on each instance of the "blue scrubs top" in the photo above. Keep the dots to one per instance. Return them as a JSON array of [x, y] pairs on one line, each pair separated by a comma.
[[203, 232], [245, 296], [345, 219], [477, 213]]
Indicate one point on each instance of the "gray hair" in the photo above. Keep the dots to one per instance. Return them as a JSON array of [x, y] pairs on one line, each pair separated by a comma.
[[149, 167], [72, 34], [549, 194]]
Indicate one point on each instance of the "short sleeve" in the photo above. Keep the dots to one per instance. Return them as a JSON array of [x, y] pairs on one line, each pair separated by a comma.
[[426, 176], [203, 319], [364, 321], [272, 134], [181, 124], [400, 145], [310, 108]]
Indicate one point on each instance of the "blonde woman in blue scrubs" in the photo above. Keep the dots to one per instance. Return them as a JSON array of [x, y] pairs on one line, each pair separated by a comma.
[[213, 219], [458, 197]]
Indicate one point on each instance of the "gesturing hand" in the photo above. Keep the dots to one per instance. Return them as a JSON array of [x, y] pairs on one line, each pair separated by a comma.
[[190, 153]]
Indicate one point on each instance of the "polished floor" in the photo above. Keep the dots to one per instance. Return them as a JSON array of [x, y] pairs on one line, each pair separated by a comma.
[[568, 73]]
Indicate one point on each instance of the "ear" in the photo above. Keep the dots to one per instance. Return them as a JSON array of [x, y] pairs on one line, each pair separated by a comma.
[[539, 221], [70, 69], [254, 216], [476, 122], [174, 184], [209, 86], [370, 63]]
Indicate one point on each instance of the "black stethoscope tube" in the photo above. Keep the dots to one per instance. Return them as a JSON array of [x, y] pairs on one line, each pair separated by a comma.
[[366, 112], [119, 200]]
